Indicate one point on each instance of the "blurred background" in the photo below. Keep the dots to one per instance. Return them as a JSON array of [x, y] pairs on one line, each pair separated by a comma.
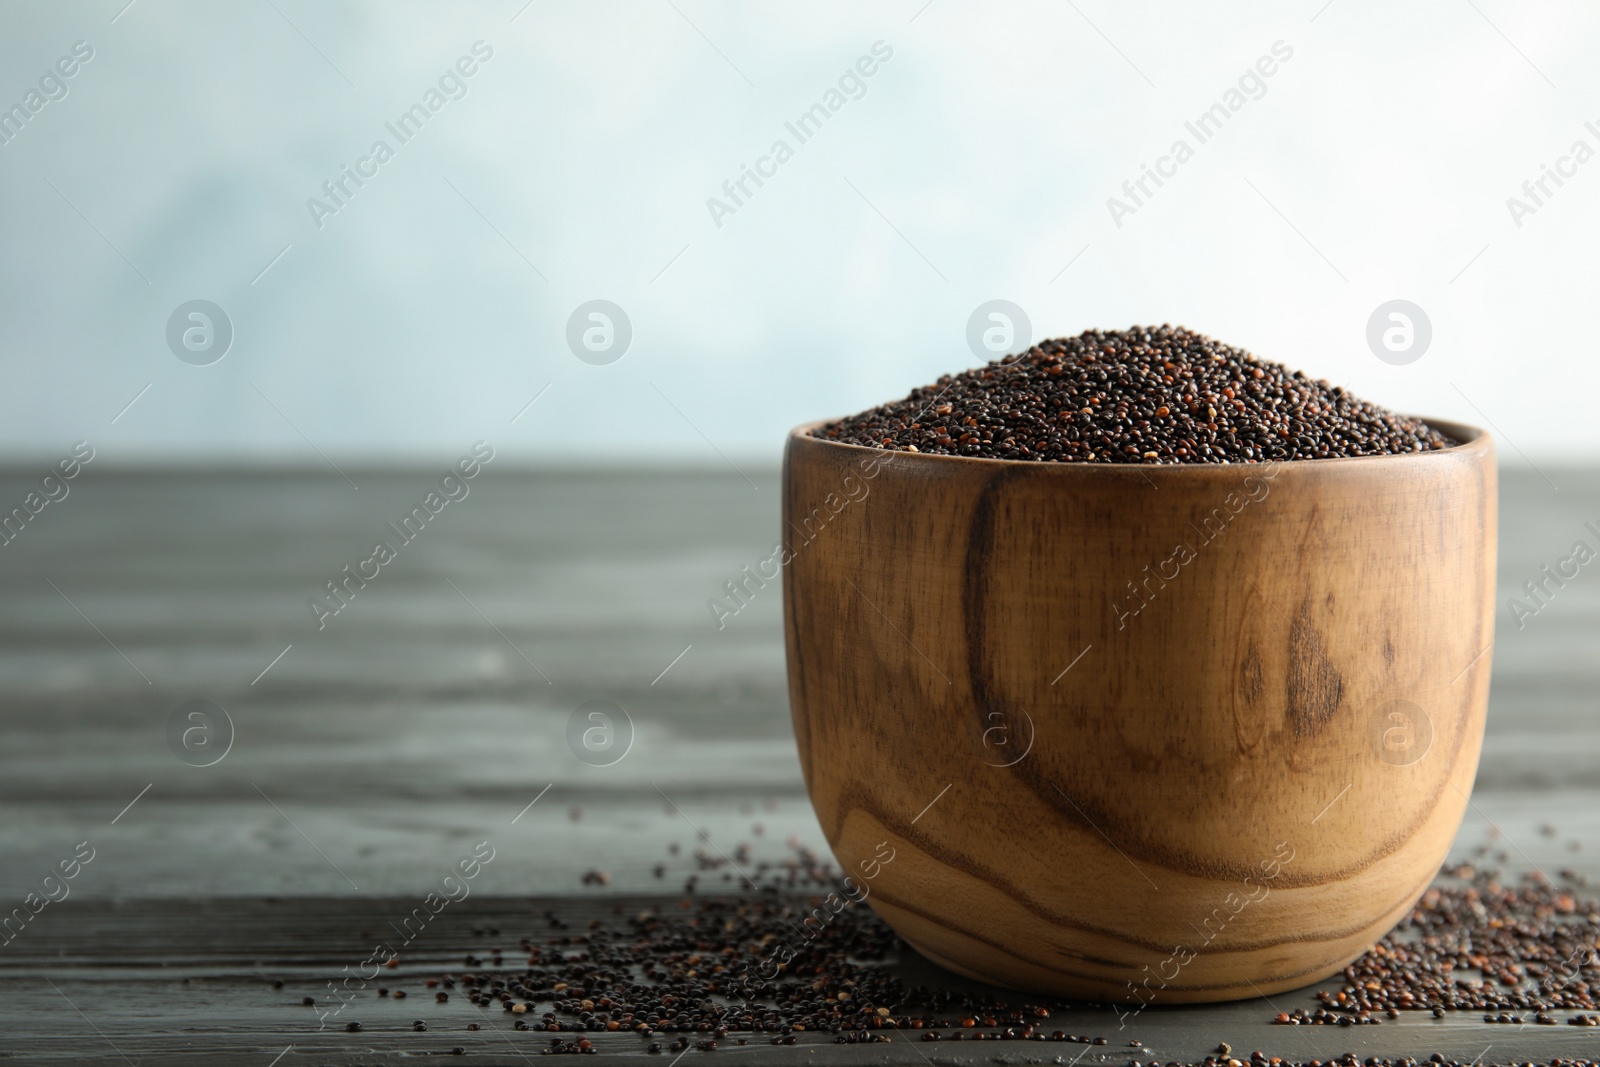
[[576, 163], [270, 268]]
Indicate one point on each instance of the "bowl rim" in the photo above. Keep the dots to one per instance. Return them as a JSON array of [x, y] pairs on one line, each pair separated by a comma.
[[1471, 441]]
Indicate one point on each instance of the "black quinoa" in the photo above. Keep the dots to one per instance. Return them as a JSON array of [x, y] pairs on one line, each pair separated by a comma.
[[698, 972], [1522, 952], [1147, 394]]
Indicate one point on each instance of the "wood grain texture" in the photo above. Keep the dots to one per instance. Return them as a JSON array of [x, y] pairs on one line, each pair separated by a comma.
[[188, 982], [418, 729], [1179, 733]]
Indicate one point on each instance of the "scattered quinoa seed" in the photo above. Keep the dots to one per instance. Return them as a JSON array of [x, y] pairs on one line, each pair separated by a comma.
[[668, 976]]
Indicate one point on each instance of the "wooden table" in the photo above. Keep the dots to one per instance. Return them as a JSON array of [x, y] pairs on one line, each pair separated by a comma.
[[369, 755]]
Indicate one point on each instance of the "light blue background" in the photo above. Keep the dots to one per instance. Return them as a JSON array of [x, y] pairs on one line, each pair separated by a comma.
[[976, 166]]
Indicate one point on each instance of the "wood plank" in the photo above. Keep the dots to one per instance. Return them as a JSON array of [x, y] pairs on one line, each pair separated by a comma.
[[410, 727], [190, 981]]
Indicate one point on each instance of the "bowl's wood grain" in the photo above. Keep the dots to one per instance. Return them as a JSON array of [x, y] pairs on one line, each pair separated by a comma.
[[1216, 800]]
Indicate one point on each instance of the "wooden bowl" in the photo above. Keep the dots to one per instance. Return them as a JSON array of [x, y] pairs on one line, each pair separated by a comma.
[[1139, 733]]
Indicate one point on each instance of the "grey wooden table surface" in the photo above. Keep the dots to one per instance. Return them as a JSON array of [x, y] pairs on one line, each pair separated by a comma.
[[370, 754]]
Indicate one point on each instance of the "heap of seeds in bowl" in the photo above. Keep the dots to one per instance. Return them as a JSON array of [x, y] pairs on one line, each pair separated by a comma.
[[1148, 394]]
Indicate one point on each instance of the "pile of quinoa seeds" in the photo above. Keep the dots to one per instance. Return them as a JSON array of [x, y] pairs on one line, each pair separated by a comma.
[[1147, 394], [670, 974]]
